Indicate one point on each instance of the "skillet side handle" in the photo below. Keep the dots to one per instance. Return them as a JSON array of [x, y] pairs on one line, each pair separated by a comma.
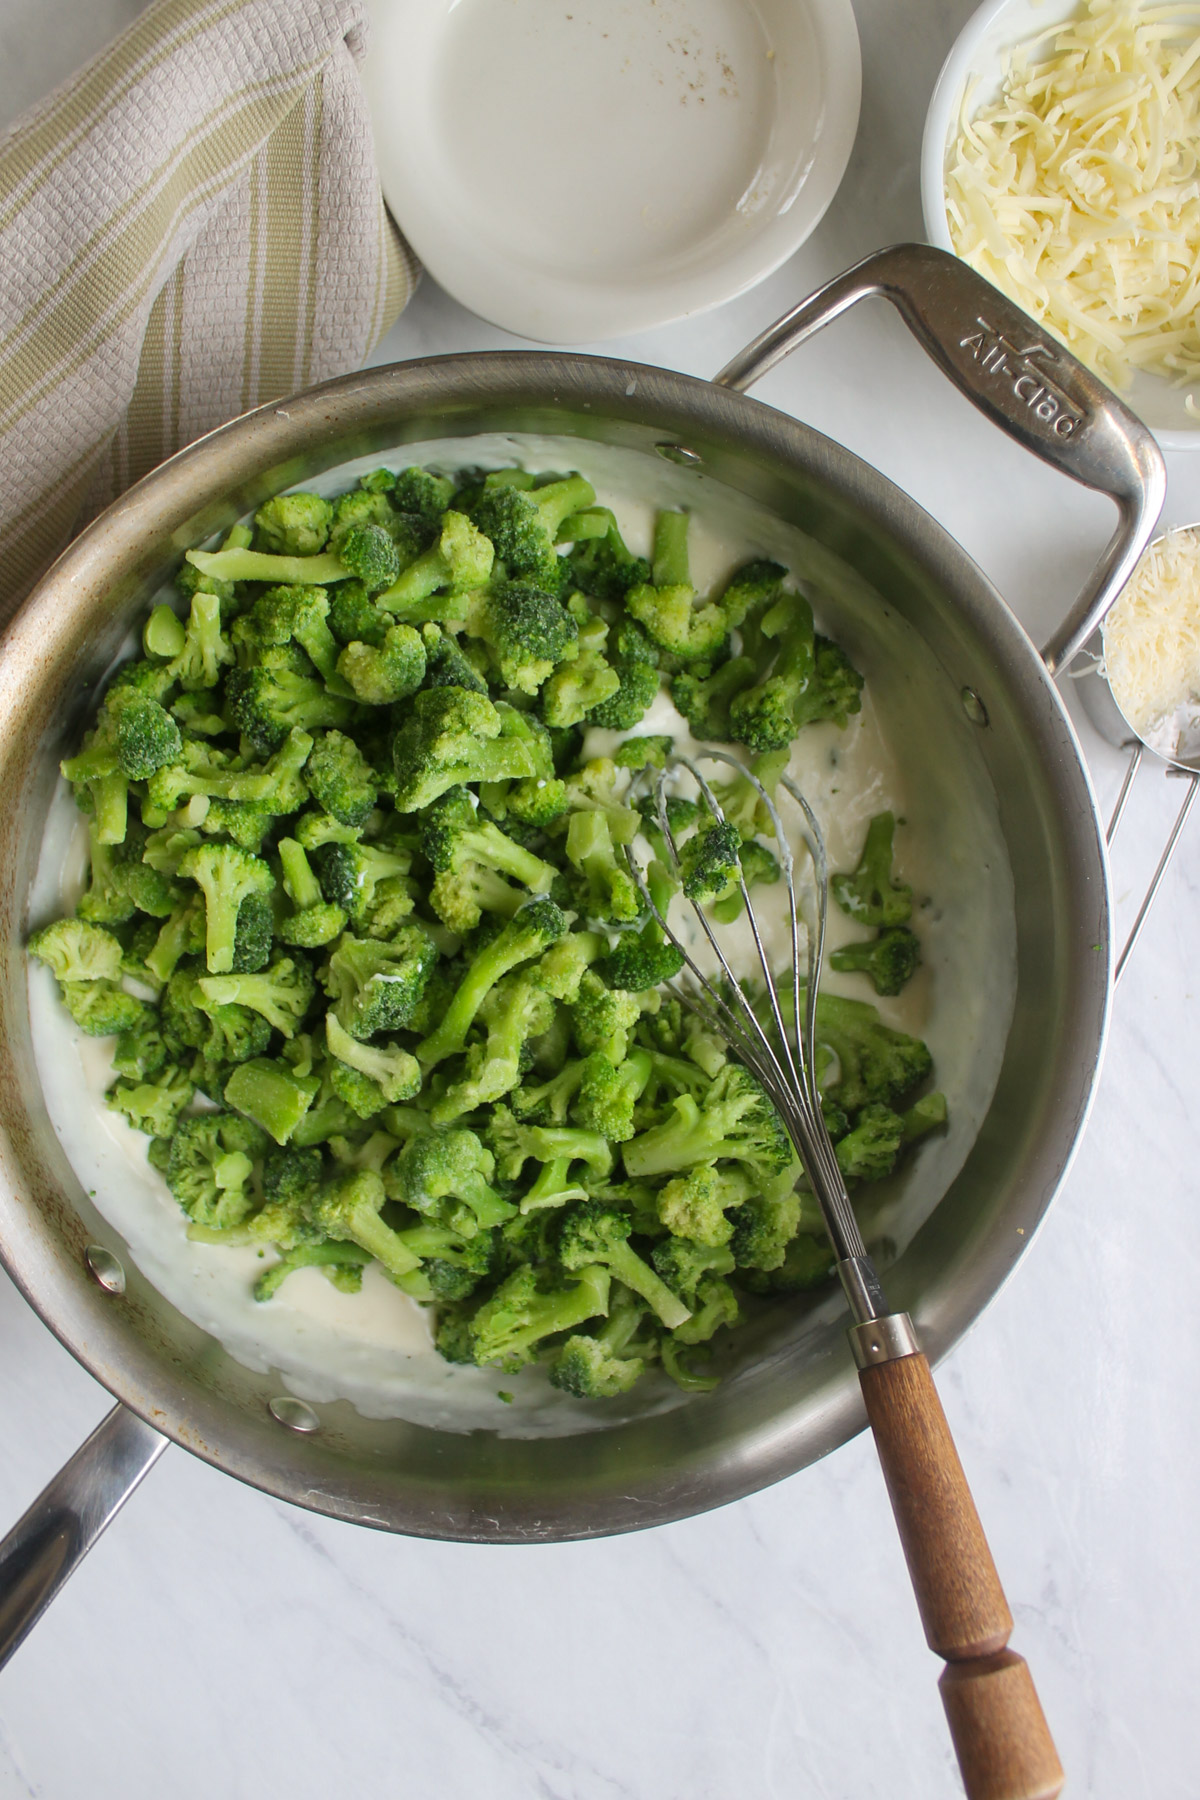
[[1001, 1738], [1016, 374], [48, 1544]]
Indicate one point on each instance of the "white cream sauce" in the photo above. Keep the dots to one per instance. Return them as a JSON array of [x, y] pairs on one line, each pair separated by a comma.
[[906, 751]]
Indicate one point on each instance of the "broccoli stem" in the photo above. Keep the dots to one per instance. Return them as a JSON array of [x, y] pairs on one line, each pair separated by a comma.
[[671, 567], [259, 565], [299, 881], [334, 1254], [273, 1096], [489, 966], [628, 1267]]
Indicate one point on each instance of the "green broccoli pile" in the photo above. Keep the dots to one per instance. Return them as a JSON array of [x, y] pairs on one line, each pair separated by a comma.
[[360, 920]]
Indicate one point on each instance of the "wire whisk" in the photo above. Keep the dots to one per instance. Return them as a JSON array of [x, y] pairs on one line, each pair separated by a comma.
[[1003, 1744], [781, 1053]]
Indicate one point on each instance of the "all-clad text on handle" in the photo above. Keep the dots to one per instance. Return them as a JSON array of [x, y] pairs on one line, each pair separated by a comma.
[[1021, 378]]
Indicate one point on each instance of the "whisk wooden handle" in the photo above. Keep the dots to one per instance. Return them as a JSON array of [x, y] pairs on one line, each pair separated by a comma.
[[1000, 1734]]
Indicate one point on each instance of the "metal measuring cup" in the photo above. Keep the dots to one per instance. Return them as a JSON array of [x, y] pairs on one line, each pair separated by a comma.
[[1102, 709]]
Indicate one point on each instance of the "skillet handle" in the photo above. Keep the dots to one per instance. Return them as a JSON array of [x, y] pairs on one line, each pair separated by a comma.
[[48, 1544], [1020, 377]]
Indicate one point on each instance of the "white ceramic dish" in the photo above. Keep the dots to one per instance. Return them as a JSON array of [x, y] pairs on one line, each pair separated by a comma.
[[581, 170], [978, 57]]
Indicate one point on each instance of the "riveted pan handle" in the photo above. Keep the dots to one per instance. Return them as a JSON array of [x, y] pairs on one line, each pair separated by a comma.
[[51, 1540], [1024, 381]]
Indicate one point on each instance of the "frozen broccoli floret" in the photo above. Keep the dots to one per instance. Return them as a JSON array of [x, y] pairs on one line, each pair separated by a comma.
[[716, 1307], [75, 950], [752, 589], [667, 605], [709, 861], [870, 895], [694, 1205], [527, 934], [507, 1329], [315, 921], [610, 1362], [378, 986], [361, 506], [101, 1009], [594, 1232], [528, 630], [450, 737], [600, 562], [608, 890], [634, 659], [349, 1208], [874, 1063], [152, 1104], [294, 524], [284, 615], [387, 671], [206, 651], [360, 877], [471, 858], [370, 553], [393, 1071], [683, 1265], [446, 1177], [603, 1019], [735, 1123], [353, 615], [227, 875], [523, 525], [453, 567], [869, 1152], [555, 1149], [146, 738], [211, 1166], [267, 702], [445, 664], [282, 993], [341, 778], [890, 959], [343, 1263], [763, 1227], [422, 492], [803, 679], [759, 866], [644, 753], [703, 695], [608, 1093]]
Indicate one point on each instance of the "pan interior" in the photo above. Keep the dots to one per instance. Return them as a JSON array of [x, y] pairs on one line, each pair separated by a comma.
[[450, 1459], [374, 1349]]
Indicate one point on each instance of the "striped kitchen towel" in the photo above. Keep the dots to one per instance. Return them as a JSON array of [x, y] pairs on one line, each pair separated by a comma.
[[190, 226]]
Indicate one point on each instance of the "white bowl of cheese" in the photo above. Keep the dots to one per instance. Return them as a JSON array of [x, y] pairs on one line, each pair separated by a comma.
[[1098, 240]]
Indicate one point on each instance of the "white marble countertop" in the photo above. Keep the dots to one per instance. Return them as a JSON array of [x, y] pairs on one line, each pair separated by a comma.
[[219, 1642]]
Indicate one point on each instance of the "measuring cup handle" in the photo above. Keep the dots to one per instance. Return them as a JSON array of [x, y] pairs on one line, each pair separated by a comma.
[[1020, 377]]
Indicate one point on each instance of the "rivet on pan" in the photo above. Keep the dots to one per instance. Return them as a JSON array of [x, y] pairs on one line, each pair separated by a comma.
[[105, 1268], [293, 1413], [679, 453], [974, 708]]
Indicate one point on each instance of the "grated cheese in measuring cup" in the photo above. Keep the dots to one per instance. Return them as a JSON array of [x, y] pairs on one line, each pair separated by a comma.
[[1152, 647], [1078, 192]]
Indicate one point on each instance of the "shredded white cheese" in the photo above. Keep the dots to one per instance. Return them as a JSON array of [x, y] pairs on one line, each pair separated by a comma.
[[1152, 647], [1078, 191]]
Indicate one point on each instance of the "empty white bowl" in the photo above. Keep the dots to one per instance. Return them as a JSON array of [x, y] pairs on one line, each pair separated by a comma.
[[979, 56], [579, 169]]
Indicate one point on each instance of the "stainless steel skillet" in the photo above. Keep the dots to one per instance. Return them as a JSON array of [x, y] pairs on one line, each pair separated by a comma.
[[993, 695]]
